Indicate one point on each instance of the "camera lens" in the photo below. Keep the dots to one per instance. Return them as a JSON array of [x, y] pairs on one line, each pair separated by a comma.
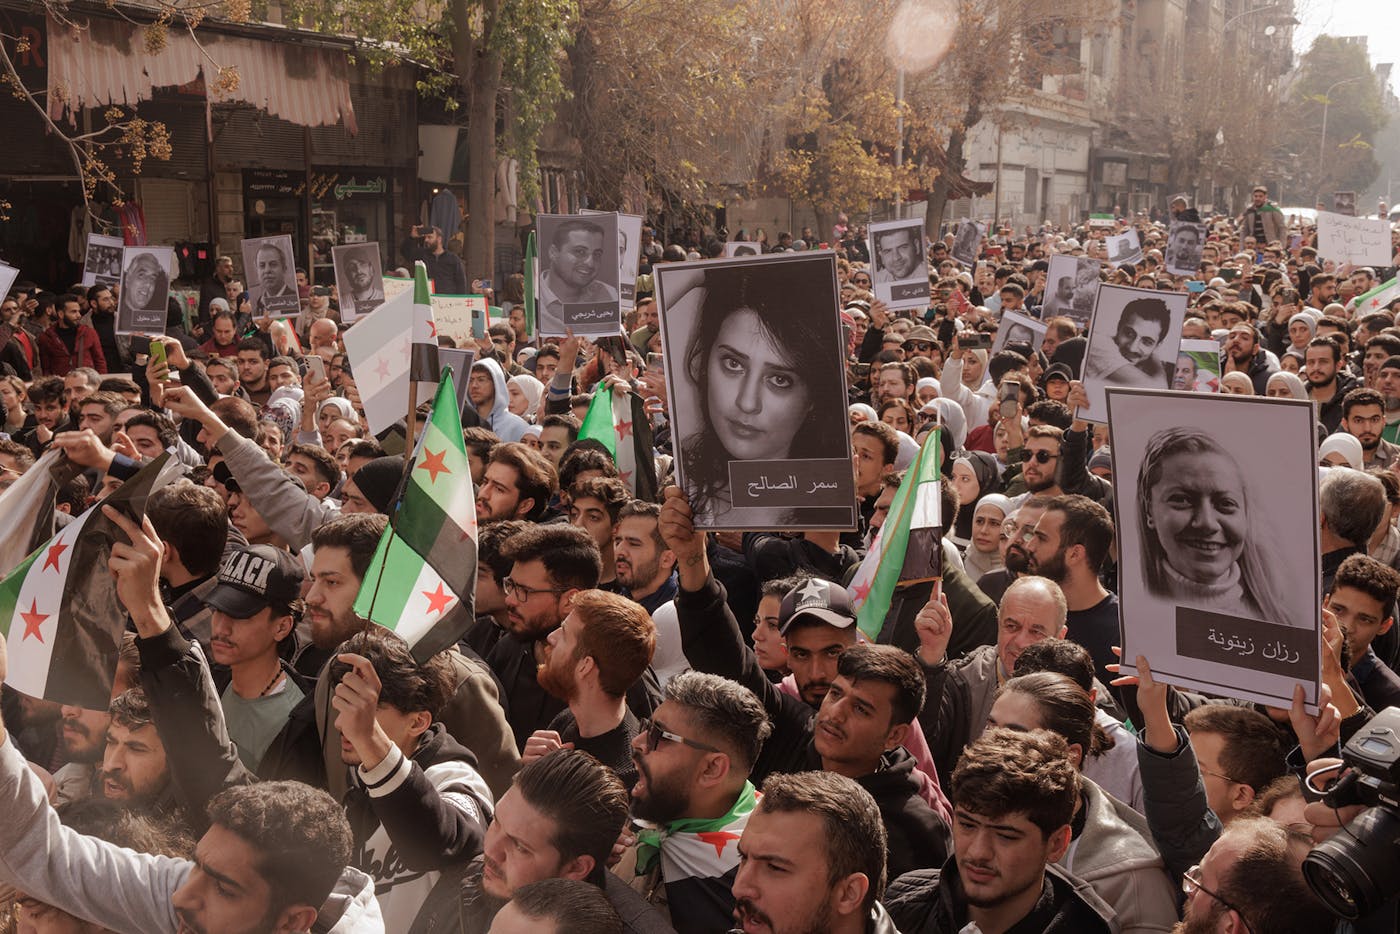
[[1358, 868]]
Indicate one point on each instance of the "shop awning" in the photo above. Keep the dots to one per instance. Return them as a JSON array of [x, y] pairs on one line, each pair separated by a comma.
[[106, 63]]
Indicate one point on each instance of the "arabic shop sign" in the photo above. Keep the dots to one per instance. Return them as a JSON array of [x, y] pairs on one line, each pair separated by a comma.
[[341, 186]]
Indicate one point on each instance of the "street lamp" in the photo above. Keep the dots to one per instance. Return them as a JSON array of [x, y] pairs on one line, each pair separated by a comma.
[[1322, 143]]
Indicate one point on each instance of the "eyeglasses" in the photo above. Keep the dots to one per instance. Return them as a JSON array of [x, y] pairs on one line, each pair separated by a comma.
[[1041, 457], [1191, 882], [1221, 775], [655, 733], [523, 593], [861, 281]]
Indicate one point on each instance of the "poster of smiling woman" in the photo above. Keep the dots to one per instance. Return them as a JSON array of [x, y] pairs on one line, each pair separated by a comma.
[[1220, 589], [754, 372], [145, 289]]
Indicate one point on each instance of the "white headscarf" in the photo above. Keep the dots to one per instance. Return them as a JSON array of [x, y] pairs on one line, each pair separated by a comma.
[[533, 390]]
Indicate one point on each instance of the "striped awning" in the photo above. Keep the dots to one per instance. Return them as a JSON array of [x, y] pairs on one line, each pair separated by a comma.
[[106, 62]]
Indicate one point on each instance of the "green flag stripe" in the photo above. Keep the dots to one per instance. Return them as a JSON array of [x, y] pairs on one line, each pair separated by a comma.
[[598, 421], [9, 591], [388, 584], [870, 618]]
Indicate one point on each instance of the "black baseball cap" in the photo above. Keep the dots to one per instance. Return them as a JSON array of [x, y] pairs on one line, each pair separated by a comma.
[[819, 600], [256, 577]]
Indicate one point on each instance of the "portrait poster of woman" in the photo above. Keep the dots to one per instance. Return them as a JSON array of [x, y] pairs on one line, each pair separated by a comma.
[[1219, 587], [757, 385]]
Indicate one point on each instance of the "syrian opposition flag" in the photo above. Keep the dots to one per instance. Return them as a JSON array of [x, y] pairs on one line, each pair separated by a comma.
[[379, 347], [423, 366], [421, 581], [1377, 298], [62, 629], [619, 422], [909, 545], [532, 262]]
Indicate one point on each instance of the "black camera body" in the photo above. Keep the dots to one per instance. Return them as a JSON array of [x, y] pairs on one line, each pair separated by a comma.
[[1358, 868]]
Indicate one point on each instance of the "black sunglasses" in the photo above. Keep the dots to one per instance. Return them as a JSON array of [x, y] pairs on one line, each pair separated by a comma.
[[655, 733], [1041, 457]]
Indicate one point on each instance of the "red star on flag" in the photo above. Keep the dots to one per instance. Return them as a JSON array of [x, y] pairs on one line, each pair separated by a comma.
[[623, 429], [432, 327], [56, 551], [861, 591], [438, 599], [719, 839], [403, 348], [32, 621], [433, 464], [382, 368]]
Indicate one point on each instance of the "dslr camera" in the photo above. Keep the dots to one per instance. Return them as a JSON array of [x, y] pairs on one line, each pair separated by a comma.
[[1356, 870]]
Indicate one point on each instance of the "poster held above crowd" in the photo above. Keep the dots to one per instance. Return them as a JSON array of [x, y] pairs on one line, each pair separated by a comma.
[[271, 276], [102, 260], [1197, 367], [898, 270], [1362, 241], [1123, 248], [1071, 282], [1133, 340], [1219, 592], [359, 279], [1185, 244], [966, 242], [577, 286], [145, 289], [755, 368], [629, 236], [1018, 328], [740, 248]]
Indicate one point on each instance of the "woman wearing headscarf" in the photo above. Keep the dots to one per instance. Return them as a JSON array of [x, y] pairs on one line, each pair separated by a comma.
[[1285, 385], [1236, 384], [1341, 450], [975, 474], [984, 550], [525, 392]]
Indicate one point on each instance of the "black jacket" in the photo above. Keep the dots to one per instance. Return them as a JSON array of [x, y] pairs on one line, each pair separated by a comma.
[[1330, 412], [974, 615], [917, 836], [445, 269], [930, 901]]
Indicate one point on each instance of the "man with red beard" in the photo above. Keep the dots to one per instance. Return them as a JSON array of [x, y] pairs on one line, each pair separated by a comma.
[[599, 651]]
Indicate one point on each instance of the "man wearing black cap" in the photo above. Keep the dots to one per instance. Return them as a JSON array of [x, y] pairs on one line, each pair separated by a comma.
[[256, 605]]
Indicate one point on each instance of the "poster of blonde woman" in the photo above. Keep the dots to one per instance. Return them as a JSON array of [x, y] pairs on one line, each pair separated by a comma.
[[1220, 590]]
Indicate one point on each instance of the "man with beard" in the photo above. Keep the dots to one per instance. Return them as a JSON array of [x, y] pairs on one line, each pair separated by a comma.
[[366, 288], [1245, 354], [214, 287], [1363, 417], [1016, 560], [1328, 382], [445, 269], [814, 859], [69, 343], [1376, 349], [1130, 358], [645, 566], [253, 359], [550, 566], [1388, 384], [898, 252], [1013, 799], [103, 315], [1041, 459], [693, 797], [1322, 290], [134, 773], [961, 691], [1070, 544], [1251, 879], [82, 736], [598, 652]]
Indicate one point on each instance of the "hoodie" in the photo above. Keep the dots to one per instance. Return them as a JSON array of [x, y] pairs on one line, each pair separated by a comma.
[[507, 427], [116, 887], [918, 837]]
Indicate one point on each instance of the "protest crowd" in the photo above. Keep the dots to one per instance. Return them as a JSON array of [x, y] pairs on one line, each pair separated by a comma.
[[274, 665]]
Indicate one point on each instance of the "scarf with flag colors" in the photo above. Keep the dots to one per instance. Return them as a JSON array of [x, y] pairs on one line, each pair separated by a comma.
[[618, 421], [698, 858], [422, 578], [907, 547], [62, 630]]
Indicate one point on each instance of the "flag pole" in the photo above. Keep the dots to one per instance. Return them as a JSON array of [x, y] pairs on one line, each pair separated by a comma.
[[412, 412]]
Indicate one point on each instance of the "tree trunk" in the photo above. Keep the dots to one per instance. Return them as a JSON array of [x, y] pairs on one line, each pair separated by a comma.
[[479, 72], [938, 195]]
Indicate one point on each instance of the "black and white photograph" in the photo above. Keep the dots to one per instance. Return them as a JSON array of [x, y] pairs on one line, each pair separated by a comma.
[[578, 275], [1071, 283], [629, 236], [755, 369], [102, 260], [1344, 202], [1133, 341], [145, 289], [1220, 590], [1185, 243], [269, 269], [1016, 328], [359, 279], [740, 248], [1123, 248], [967, 242], [899, 269], [8, 275]]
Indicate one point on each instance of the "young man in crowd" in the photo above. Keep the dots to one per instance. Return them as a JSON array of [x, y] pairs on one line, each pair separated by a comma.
[[645, 567], [1069, 546], [594, 506]]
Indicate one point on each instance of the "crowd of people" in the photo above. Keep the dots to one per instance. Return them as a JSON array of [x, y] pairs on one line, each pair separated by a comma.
[[649, 727]]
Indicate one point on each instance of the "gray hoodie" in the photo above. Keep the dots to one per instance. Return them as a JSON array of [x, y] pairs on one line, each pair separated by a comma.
[[115, 887], [507, 427]]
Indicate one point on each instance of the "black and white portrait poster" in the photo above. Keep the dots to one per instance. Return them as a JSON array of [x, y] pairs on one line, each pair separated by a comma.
[[899, 271], [1123, 248], [1133, 340], [739, 248], [1185, 243], [145, 289], [1016, 328], [270, 274], [1220, 589], [967, 242], [1071, 283], [578, 275], [755, 369], [102, 260], [8, 275], [359, 279], [629, 254]]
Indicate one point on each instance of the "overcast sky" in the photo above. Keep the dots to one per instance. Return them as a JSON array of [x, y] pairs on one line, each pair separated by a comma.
[[1378, 21]]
